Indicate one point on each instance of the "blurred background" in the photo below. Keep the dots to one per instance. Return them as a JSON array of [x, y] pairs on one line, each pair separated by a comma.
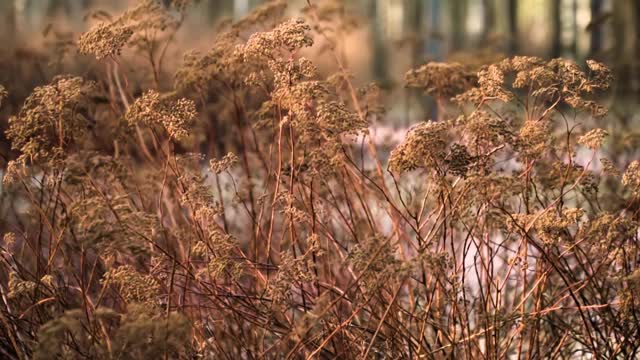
[[395, 35]]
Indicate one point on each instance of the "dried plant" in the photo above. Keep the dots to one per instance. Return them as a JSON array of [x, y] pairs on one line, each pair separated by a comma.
[[241, 209]]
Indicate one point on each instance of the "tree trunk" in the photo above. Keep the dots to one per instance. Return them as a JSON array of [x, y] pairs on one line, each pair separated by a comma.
[[8, 27], [458, 22], [556, 20], [488, 20], [379, 49], [512, 10], [596, 30], [434, 30]]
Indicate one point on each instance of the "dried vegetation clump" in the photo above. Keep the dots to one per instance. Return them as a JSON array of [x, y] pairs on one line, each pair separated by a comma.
[[229, 213]]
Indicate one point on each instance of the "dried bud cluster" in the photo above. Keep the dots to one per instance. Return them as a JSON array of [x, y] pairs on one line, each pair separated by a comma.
[[310, 106], [291, 36], [224, 164], [132, 27], [631, 177], [424, 146], [176, 116], [104, 40], [132, 286], [593, 139], [49, 122], [557, 80], [3, 94], [443, 80]]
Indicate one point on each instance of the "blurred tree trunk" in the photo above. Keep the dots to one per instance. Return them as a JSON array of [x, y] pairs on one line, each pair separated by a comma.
[[218, 8], [434, 30], [556, 25], [458, 23], [623, 52], [512, 13], [488, 19], [416, 25], [596, 29], [636, 46], [416, 22], [575, 30], [379, 49], [59, 5], [8, 29]]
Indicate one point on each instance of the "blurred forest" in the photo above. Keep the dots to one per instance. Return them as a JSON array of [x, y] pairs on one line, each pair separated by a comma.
[[415, 30], [390, 36]]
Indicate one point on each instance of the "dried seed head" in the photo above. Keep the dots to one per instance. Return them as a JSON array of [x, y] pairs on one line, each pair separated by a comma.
[[609, 168], [631, 177], [441, 79], [104, 40], [291, 36], [9, 239], [132, 285], [15, 171], [226, 163], [132, 27], [593, 139], [534, 137], [3, 94], [424, 146], [50, 120], [176, 116]]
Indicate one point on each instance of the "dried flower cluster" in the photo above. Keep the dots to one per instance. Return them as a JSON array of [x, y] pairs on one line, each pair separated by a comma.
[[50, 121], [593, 139], [132, 27], [3, 94], [443, 80], [175, 116], [104, 40]]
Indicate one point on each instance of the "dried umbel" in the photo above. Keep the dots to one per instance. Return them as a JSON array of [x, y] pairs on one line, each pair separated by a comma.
[[152, 109], [485, 129], [631, 177], [50, 122], [593, 139], [222, 65], [104, 40], [534, 137], [424, 146], [133, 286], [111, 226], [3, 94], [290, 36], [140, 332], [132, 27], [15, 171], [19, 287], [291, 271], [443, 80], [201, 71], [609, 168], [491, 86], [311, 107], [224, 164], [551, 227], [548, 82]]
